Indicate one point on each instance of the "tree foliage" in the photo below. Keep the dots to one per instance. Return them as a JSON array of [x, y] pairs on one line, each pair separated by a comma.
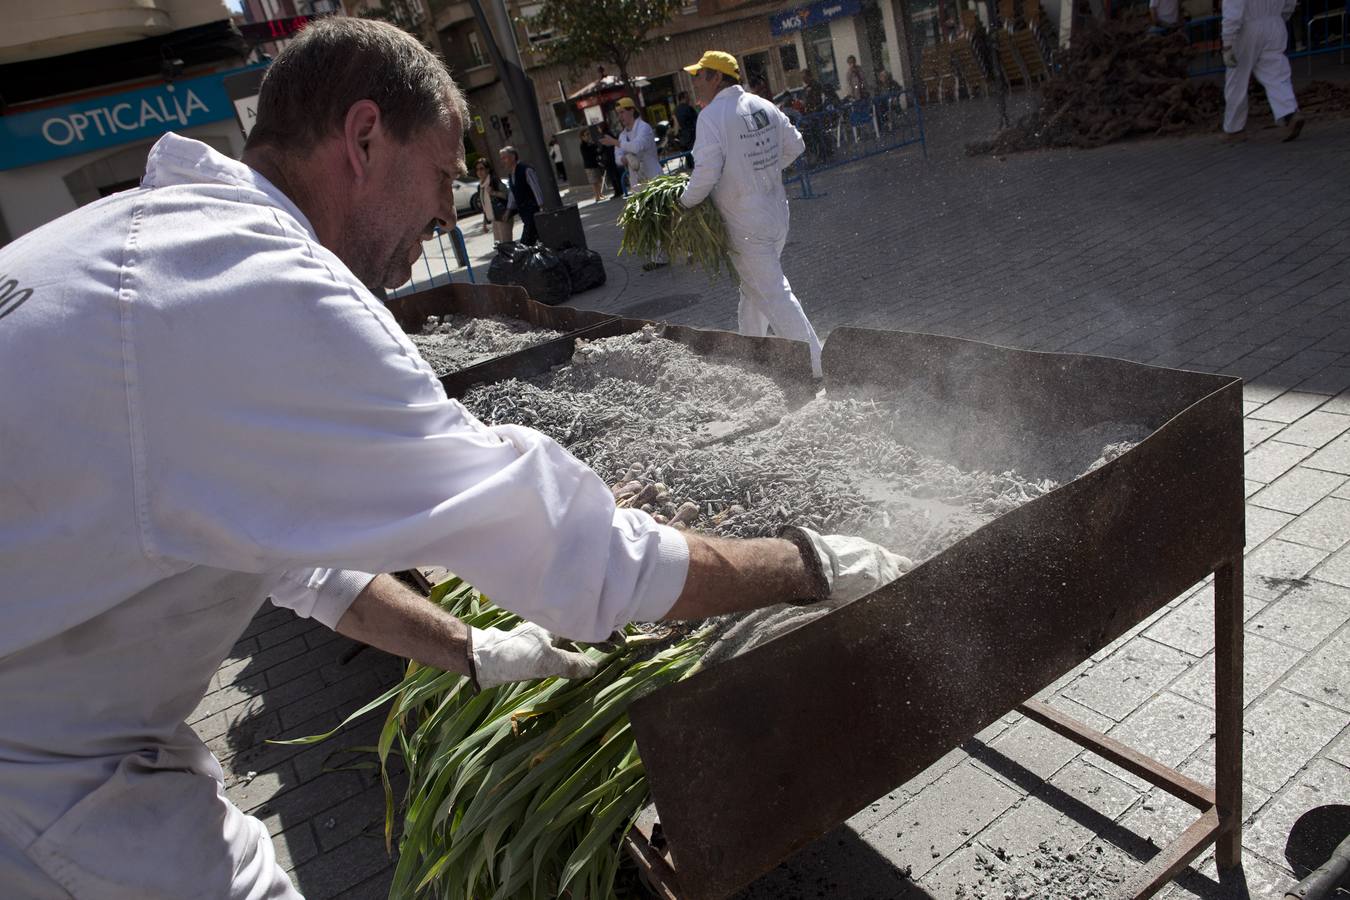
[[586, 32]]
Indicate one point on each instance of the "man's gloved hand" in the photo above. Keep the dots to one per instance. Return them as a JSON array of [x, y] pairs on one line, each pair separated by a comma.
[[524, 653], [851, 567], [1230, 57]]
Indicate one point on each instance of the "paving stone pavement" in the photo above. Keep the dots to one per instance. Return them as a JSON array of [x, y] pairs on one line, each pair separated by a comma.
[[1179, 252]]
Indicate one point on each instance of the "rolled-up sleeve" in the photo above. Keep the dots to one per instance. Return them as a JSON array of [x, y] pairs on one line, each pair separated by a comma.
[[301, 430], [323, 595]]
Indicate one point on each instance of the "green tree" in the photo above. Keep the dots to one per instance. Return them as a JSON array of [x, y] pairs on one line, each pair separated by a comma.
[[586, 32]]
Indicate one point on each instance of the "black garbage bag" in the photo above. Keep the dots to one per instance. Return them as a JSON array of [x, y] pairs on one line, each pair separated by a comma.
[[584, 267], [506, 265], [534, 267], [544, 276]]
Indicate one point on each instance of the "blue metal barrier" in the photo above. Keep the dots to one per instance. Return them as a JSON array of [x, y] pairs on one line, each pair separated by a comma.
[[852, 131], [1316, 27], [460, 251]]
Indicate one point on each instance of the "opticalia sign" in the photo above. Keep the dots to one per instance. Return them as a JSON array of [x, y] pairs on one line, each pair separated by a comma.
[[803, 17], [46, 134]]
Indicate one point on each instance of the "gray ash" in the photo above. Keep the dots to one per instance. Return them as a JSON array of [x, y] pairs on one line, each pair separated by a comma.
[[451, 343]]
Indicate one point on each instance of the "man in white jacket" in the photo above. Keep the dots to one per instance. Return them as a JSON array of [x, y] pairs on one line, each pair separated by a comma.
[[636, 144], [1254, 41], [744, 143], [208, 406]]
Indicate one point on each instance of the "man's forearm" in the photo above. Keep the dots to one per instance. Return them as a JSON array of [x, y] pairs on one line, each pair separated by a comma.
[[393, 617], [729, 575]]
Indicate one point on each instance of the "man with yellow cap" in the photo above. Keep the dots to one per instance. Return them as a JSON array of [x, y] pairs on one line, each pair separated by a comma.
[[743, 144], [636, 144]]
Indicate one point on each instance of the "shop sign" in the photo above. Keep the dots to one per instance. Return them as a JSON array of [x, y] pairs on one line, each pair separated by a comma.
[[803, 17], [112, 119]]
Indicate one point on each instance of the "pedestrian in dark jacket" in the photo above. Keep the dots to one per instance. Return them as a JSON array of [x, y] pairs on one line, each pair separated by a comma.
[[525, 192]]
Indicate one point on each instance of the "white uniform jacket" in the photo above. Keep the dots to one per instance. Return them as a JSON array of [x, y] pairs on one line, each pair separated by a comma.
[[204, 406], [743, 144], [640, 141]]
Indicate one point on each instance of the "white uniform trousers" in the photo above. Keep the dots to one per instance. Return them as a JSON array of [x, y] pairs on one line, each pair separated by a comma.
[[767, 302], [1260, 52]]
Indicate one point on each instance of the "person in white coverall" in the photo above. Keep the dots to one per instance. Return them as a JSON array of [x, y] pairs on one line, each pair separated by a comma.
[[207, 405], [635, 152], [1254, 40], [743, 145]]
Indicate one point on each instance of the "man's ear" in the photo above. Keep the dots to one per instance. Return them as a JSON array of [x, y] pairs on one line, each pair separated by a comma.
[[363, 137]]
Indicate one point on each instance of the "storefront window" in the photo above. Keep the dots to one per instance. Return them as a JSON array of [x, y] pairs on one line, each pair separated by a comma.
[[787, 54], [820, 54], [877, 47], [924, 23]]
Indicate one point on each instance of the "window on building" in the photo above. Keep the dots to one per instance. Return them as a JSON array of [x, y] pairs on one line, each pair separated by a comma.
[[535, 32], [787, 54], [476, 50]]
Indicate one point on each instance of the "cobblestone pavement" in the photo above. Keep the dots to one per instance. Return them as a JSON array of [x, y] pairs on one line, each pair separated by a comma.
[[1185, 253]]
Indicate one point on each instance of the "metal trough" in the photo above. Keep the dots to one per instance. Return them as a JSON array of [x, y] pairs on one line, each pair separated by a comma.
[[747, 765]]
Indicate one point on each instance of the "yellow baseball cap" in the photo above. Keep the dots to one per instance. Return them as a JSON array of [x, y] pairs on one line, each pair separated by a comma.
[[718, 62], [626, 103]]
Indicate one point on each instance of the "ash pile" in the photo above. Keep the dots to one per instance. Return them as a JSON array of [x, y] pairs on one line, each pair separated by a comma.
[[712, 445], [454, 342], [1117, 81]]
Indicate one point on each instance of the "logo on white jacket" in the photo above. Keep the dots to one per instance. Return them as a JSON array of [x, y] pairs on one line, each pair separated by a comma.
[[11, 295], [756, 120]]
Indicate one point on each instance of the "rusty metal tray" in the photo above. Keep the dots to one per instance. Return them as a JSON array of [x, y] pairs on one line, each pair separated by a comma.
[[747, 765]]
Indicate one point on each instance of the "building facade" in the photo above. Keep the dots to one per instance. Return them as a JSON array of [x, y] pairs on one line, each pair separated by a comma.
[[87, 86], [772, 40]]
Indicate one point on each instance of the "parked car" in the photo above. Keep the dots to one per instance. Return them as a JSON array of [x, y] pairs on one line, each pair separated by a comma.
[[466, 195]]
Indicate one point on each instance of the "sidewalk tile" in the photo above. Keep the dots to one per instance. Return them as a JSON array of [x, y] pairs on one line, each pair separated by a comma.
[[1316, 429], [1325, 526], [1290, 407], [1328, 381], [1305, 616], [1273, 458], [1258, 879], [1334, 457], [1118, 686], [1255, 431], [1325, 675], [1322, 783], [1168, 728], [1283, 732], [1035, 748], [1336, 569], [930, 826], [1298, 489], [1262, 523], [296, 846], [1281, 561], [1263, 663], [1339, 404]]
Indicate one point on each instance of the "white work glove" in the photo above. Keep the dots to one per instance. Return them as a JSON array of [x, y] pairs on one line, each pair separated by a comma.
[[524, 653], [851, 566], [1230, 57]]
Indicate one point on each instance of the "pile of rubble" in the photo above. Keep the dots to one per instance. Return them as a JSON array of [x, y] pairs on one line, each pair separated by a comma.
[[1118, 80]]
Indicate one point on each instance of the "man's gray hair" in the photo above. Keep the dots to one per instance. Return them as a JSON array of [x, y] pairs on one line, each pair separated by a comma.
[[508, 149], [338, 61]]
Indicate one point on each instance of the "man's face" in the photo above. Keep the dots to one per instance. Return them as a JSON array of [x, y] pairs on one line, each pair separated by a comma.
[[410, 190], [627, 115], [706, 85]]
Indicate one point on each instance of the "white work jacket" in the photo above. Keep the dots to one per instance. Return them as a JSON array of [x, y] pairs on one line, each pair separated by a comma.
[[1251, 26], [743, 144], [204, 406], [640, 141]]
